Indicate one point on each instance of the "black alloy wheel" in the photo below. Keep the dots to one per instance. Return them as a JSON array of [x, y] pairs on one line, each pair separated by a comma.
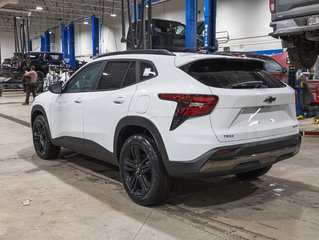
[[143, 174], [41, 139], [137, 171]]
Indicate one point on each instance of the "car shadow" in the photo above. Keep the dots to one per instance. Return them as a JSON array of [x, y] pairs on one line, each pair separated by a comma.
[[226, 197]]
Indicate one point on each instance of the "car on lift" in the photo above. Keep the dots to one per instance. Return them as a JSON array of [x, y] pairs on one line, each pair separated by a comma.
[[5, 67], [166, 34], [167, 116], [312, 81], [296, 23], [6, 64], [41, 60], [271, 66]]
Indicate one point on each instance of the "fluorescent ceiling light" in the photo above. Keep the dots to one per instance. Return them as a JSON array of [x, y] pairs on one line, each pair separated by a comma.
[[50, 32], [29, 14], [113, 13], [86, 22], [39, 8]]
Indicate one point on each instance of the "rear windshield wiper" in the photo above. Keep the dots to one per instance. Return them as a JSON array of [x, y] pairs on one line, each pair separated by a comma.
[[250, 84]]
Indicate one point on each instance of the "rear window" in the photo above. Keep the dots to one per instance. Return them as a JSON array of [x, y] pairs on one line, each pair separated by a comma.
[[232, 73]]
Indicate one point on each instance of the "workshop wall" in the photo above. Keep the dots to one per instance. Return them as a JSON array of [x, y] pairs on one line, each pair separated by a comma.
[[6, 44], [247, 22]]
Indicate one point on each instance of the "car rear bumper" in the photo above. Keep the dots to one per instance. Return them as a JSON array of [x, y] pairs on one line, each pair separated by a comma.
[[293, 26], [236, 158]]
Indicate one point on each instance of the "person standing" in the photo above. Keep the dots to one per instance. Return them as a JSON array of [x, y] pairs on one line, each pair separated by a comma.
[[30, 79]]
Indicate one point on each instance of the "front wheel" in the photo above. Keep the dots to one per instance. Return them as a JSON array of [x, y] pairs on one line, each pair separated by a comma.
[[251, 175], [41, 139], [143, 174]]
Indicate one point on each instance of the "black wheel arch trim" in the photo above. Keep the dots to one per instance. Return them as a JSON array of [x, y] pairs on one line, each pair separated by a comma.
[[150, 127]]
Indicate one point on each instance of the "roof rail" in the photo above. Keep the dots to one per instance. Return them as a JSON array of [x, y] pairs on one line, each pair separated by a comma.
[[140, 51]]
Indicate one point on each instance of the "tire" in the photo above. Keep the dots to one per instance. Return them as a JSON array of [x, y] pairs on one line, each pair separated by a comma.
[[254, 174], [41, 139], [142, 171], [304, 55]]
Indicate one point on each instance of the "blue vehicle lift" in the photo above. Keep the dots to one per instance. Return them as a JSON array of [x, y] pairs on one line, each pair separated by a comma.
[[47, 41], [64, 36], [210, 12], [71, 39], [71, 46], [191, 25], [210, 16], [42, 47], [68, 39]]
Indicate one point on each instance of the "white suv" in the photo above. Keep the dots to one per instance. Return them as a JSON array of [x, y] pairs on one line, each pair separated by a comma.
[[161, 116]]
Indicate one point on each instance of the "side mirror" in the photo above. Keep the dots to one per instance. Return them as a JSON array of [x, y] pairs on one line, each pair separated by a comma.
[[56, 88]]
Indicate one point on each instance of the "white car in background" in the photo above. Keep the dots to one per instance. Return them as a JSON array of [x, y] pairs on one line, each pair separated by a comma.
[[160, 116]]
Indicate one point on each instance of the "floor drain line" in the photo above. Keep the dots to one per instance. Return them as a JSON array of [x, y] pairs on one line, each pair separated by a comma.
[[24, 123]]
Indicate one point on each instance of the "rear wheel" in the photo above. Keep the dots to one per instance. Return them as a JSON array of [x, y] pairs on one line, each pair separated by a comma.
[[41, 139], [143, 174], [254, 174], [304, 55]]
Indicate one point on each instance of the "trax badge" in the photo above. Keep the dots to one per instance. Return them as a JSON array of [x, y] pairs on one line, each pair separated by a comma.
[[270, 99]]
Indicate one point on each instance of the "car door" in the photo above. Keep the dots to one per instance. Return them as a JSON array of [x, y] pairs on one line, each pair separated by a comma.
[[66, 113], [108, 105]]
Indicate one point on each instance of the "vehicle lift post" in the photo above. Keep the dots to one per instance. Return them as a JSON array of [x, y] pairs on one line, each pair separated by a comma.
[[42, 47], [72, 62], [64, 36], [210, 15], [295, 83], [191, 25], [95, 36], [71, 39], [47, 40]]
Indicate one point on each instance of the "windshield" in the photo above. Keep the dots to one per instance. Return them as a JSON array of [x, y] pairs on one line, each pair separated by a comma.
[[54, 57], [169, 27], [34, 56]]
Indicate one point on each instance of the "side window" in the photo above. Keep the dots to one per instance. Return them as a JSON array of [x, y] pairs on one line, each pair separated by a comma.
[[83, 81], [113, 75], [130, 77], [272, 66], [147, 71]]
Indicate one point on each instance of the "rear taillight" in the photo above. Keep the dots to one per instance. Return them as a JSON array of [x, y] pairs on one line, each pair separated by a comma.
[[272, 5], [189, 105]]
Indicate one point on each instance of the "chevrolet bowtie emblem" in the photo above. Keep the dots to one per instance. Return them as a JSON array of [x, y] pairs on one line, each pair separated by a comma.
[[270, 99]]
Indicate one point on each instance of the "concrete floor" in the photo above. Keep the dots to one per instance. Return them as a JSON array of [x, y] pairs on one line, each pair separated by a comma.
[[76, 197]]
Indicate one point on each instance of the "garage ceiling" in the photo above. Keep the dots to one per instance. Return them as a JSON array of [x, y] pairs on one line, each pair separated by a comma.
[[54, 12]]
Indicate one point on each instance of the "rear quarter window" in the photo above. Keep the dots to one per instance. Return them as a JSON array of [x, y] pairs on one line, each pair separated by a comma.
[[232, 73]]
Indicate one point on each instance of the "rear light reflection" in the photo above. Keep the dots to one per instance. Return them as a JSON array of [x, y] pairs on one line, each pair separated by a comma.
[[272, 5]]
